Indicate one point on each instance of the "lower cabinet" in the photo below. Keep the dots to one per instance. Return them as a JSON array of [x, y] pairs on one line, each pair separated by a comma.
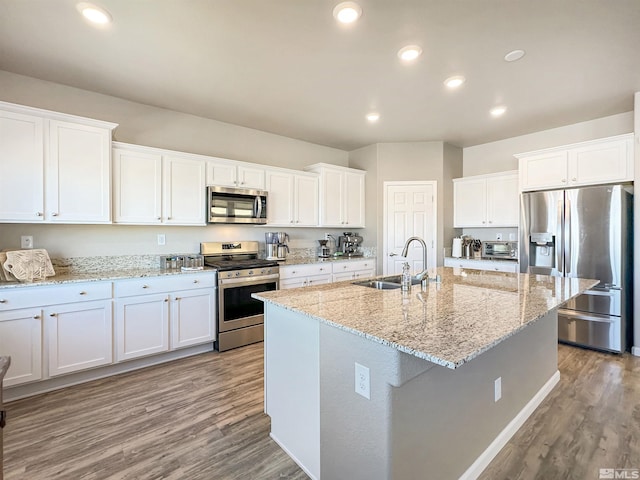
[[294, 276], [155, 315], [21, 338], [353, 270], [496, 266], [79, 336]]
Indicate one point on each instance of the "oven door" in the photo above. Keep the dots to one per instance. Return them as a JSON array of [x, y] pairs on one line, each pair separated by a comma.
[[236, 307]]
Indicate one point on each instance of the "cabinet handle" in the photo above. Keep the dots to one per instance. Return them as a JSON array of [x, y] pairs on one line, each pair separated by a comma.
[[196, 281], [321, 269], [145, 286], [38, 214], [483, 221], [37, 317], [52, 314], [490, 221], [54, 214], [158, 218], [2, 300], [167, 299], [241, 183], [169, 218], [292, 272], [291, 221], [573, 179], [178, 298], [83, 293]]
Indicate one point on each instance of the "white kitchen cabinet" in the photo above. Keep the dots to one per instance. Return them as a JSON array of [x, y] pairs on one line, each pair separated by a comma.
[[293, 198], [63, 176], [353, 270], [227, 173], [491, 265], [607, 160], [486, 200], [80, 336], [158, 314], [21, 339], [294, 276], [341, 196], [154, 186]]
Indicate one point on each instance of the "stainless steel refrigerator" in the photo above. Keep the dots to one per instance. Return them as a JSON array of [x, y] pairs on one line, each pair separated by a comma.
[[585, 232]]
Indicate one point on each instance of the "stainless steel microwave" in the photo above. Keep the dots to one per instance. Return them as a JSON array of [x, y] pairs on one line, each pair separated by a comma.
[[236, 205], [500, 249]]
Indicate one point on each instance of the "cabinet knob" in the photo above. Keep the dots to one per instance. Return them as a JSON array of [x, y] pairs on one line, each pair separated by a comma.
[[573, 179], [54, 214], [178, 298], [490, 221], [52, 314], [169, 218], [196, 281], [2, 300], [293, 271], [291, 221], [167, 299], [37, 317], [564, 180], [483, 221], [241, 183], [83, 293], [145, 286], [38, 214], [158, 218]]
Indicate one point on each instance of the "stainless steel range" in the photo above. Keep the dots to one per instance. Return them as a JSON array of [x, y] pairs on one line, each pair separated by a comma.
[[240, 273]]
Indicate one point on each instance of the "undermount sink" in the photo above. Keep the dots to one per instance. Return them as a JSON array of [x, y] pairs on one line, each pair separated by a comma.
[[385, 283]]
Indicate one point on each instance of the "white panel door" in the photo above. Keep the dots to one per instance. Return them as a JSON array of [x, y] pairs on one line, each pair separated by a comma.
[[306, 201], [78, 174], [184, 191], [470, 203], [80, 336], [548, 170], [137, 185], [222, 174], [193, 314], [280, 201], [503, 201], [410, 211], [21, 168], [21, 339], [602, 163], [251, 177], [354, 199], [332, 199], [142, 326]]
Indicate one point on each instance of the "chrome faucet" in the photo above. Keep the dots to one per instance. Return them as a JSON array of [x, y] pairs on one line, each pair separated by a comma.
[[424, 274]]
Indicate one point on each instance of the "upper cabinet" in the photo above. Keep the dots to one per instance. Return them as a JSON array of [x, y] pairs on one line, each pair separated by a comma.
[[341, 196], [486, 200], [154, 186], [293, 198], [54, 168], [226, 173], [600, 161]]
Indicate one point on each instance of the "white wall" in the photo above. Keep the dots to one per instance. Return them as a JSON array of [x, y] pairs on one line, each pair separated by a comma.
[[498, 156], [146, 125]]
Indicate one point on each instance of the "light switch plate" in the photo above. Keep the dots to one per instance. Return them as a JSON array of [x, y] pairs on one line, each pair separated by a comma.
[[26, 241], [363, 384], [162, 240]]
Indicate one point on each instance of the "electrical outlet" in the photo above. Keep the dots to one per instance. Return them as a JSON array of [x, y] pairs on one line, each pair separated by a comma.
[[498, 236], [363, 386], [326, 236], [26, 241], [162, 240], [497, 389]]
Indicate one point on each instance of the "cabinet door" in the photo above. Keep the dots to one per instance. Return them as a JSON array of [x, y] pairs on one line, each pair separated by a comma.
[[184, 191], [193, 314], [293, 283], [79, 336], [354, 200], [251, 177], [280, 200], [306, 201], [503, 201], [21, 339], [542, 171], [340, 277], [137, 185], [361, 274], [21, 168], [78, 188], [222, 174], [318, 280], [142, 326], [332, 190], [604, 162], [470, 203]]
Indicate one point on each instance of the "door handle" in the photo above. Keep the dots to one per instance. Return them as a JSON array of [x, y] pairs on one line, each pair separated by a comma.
[[393, 254]]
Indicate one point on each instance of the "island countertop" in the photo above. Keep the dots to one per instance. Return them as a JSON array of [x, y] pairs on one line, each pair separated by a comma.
[[451, 323]]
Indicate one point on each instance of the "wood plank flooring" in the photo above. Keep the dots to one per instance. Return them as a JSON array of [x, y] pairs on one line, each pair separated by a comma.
[[201, 418]]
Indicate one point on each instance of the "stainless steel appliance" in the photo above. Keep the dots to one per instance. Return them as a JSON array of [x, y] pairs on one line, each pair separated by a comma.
[[500, 249], [324, 251], [276, 245], [240, 273], [584, 232], [236, 205], [349, 244]]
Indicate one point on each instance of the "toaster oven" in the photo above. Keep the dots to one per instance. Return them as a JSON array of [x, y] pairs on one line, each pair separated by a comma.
[[500, 249]]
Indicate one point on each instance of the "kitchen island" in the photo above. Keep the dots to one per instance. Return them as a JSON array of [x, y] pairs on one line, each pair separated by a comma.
[[376, 384]]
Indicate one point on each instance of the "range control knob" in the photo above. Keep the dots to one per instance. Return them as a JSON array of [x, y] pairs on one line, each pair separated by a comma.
[[250, 272], [237, 274]]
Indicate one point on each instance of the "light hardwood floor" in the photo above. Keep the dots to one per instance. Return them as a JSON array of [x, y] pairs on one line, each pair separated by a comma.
[[201, 418]]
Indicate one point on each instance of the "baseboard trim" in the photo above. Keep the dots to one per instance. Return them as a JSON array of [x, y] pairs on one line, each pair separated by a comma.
[[635, 351], [293, 457], [505, 435]]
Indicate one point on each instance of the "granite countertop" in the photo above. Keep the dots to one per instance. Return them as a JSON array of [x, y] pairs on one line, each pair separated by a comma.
[[449, 324], [97, 276], [310, 260]]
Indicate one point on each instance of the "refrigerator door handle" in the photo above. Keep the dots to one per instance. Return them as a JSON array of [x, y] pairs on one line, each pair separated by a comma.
[[571, 315], [559, 240], [568, 257]]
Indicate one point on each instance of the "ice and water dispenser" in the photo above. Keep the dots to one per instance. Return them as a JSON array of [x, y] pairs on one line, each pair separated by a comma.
[[542, 250]]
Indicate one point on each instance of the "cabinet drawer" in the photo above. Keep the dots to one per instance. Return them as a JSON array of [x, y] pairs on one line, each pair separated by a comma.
[[294, 271], [25, 297], [353, 265], [163, 284]]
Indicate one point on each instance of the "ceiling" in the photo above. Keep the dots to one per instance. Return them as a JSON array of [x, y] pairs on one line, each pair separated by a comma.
[[287, 67]]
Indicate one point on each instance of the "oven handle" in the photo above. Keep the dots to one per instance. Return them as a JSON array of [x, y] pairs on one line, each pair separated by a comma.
[[234, 282]]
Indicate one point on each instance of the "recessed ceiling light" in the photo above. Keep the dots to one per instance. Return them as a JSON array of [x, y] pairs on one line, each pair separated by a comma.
[[514, 55], [454, 82], [373, 117], [347, 12], [409, 53], [94, 13], [498, 111]]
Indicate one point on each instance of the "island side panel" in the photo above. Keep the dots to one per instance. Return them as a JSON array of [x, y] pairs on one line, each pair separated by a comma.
[[292, 398]]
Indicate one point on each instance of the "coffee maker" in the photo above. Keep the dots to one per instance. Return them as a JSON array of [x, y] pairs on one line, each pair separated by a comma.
[[277, 247], [349, 244]]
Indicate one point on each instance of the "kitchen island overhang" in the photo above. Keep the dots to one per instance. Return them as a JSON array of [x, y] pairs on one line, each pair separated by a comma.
[[437, 360]]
